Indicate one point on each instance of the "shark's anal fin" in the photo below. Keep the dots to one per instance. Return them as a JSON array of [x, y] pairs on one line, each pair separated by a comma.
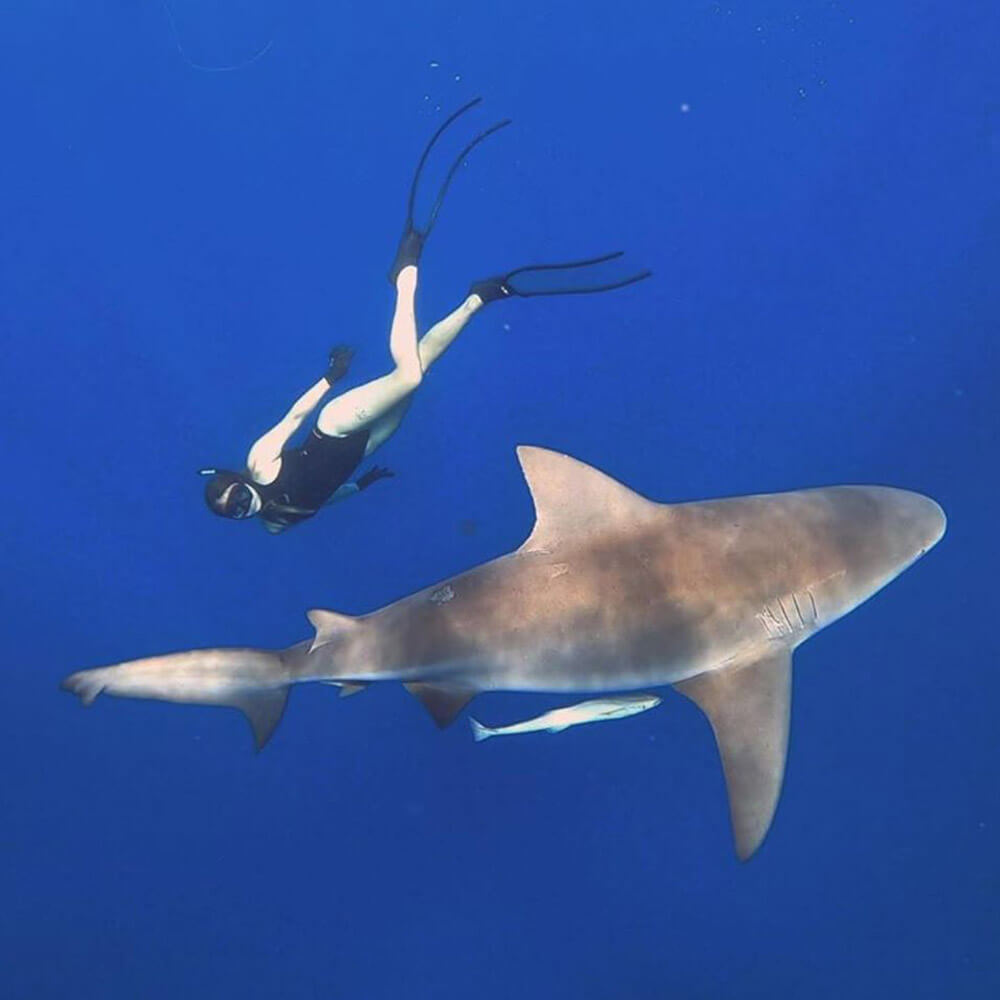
[[347, 688], [328, 625], [263, 710], [749, 709], [442, 701]]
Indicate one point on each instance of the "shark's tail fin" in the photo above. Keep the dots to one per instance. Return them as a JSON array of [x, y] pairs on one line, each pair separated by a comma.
[[253, 680], [479, 731]]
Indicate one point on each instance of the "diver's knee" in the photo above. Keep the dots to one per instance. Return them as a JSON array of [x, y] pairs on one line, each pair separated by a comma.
[[410, 377]]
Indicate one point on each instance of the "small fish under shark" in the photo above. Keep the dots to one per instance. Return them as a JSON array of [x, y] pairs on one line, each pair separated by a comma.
[[610, 592], [555, 721]]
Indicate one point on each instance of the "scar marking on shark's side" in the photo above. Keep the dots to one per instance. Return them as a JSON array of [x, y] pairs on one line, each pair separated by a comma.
[[443, 594], [559, 569]]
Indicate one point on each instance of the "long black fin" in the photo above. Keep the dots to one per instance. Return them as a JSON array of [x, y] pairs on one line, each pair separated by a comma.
[[504, 286], [415, 183], [411, 243], [485, 134]]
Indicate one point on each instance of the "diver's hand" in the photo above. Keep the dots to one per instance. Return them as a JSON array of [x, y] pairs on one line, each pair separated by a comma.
[[340, 361], [375, 473]]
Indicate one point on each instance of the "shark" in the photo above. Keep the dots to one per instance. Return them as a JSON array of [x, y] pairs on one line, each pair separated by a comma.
[[611, 591]]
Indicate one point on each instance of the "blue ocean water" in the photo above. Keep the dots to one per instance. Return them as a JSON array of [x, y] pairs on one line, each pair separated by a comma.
[[813, 184]]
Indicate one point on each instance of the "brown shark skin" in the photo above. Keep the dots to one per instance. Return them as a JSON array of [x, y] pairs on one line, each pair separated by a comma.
[[610, 592], [693, 587]]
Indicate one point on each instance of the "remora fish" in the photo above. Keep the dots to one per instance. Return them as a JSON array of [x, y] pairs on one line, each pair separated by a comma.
[[610, 591], [595, 710]]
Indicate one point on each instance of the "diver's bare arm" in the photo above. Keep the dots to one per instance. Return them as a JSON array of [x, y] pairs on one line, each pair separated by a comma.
[[264, 460], [265, 455]]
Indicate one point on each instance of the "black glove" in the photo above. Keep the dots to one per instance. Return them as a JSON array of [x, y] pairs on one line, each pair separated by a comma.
[[375, 473], [340, 361]]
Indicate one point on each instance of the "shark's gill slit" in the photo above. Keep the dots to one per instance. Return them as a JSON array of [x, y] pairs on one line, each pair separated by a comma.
[[798, 610], [788, 621], [812, 600]]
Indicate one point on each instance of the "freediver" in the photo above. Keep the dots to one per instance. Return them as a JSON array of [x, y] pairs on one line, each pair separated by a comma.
[[285, 485]]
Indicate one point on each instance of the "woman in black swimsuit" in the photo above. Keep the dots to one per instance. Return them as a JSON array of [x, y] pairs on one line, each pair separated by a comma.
[[287, 485]]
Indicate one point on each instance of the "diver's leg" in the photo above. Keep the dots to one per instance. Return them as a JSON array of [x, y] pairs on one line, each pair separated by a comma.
[[439, 337], [362, 407], [432, 345], [384, 428]]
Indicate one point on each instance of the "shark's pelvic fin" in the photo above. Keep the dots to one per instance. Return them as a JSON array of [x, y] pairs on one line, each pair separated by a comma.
[[443, 701], [748, 708], [263, 710], [347, 688], [572, 498], [328, 625]]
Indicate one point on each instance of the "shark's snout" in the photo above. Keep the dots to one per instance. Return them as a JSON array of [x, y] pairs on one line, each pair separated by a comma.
[[919, 522]]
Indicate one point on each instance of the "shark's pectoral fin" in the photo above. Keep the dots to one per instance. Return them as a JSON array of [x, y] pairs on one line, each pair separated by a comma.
[[328, 625], [748, 708], [443, 701], [556, 729], [263, 710]]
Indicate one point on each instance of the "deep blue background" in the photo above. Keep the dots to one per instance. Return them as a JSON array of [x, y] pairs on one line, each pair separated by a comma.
[[178, 250]]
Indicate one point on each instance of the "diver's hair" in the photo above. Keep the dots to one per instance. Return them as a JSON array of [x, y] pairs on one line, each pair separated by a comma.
[[217, 487]]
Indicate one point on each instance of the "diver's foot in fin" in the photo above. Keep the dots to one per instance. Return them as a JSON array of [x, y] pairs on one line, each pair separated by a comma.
[[411, 246], [491, 289], [519, 281], [412, 243]]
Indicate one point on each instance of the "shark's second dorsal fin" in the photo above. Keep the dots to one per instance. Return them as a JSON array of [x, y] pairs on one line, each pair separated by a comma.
[[328, 625], [572, 498], [749, 709]]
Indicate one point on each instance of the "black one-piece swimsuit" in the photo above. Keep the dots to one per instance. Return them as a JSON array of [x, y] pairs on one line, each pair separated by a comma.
[[309, 476]]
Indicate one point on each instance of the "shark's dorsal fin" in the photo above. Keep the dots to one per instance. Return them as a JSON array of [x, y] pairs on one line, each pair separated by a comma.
[[328, 625], [263, 710], [442, 701], [572, 498], [749, 708]]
